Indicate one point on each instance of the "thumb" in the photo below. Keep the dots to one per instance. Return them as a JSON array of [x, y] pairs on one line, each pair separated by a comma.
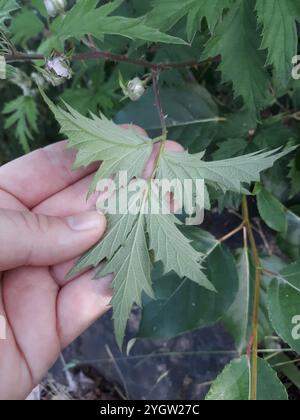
[[37, 240]]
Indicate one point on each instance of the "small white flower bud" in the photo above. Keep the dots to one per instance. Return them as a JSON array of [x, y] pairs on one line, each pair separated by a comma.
[[59, 67], [55, 7], [135, 89], [56, 71]]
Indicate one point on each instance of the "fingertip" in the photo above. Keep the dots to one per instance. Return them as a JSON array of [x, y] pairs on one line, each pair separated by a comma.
[[81, 302], [173, 146], [137, 128], [88, 221]]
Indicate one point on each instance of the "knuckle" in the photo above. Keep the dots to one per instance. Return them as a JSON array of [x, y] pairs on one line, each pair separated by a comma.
[[36, 223]]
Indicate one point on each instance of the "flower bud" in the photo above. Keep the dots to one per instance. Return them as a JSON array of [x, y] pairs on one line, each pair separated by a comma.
[[60, 66], [55, 7], [135, 89]]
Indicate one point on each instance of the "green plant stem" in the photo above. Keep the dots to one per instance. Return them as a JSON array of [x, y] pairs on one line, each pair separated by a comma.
[[255, 320], [163, 137], [105, 55], [155, 78]]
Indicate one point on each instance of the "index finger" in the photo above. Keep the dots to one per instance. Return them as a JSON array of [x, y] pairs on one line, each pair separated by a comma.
[[40, 174]]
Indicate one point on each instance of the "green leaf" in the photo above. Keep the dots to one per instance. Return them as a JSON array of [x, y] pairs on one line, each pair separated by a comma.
[[212, 10], [295, 7], [82, 99], [284, 305], [6, 8], [230, 148], [84, 19], [283, 364], [294, 174], [132, 267], [238, 318], [119, 227], [271, 210], [22, 113], [166, 13], [175, 251], [274, 264], [274, 132], [40, 6], [127, 253], [237, 125], [182, 305], [99, 139], [291, 275], [25, 26], [279, 36], [236, 39], [227, 174], [289, 242], [238, 315], [233, 383]]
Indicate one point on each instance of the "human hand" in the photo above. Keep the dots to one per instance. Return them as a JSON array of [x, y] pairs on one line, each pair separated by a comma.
[[40, 238], [45, 224]]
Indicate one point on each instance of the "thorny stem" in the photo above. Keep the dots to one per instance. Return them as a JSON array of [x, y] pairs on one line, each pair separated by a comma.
[[155, 78], [163, 137], [255, 320], [98, 54]]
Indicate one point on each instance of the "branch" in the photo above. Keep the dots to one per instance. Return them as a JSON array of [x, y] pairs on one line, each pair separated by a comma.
[[155, 78], [232, 233], [255, 320], [95, 55]]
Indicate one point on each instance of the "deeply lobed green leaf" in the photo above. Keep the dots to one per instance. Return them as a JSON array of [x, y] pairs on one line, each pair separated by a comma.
[[133, 240], [237, 40], [279, 35], [87, 19]]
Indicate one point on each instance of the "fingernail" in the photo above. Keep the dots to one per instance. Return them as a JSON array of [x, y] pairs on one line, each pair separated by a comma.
[[86, 221]]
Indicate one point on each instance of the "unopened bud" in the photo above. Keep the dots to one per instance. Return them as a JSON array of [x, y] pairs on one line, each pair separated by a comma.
[[57, 70], [60, 66], [135, 89]]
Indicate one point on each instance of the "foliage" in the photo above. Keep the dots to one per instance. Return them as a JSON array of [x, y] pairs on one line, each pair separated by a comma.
[[233, 383], [221, 72]]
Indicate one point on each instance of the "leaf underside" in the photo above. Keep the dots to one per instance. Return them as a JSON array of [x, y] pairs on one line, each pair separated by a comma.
[[133, 241]]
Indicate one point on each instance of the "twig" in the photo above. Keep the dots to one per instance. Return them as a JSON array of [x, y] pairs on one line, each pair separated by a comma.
[[118, 370], [158, 381], [270, 273], [237, 214], [153, 355], [232, 233], [263, 237], [72, 385], [291, 362], [97, 54], [155, 78]]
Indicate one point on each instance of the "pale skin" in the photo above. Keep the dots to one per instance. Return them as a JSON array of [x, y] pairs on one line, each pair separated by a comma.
[[45, 225]]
